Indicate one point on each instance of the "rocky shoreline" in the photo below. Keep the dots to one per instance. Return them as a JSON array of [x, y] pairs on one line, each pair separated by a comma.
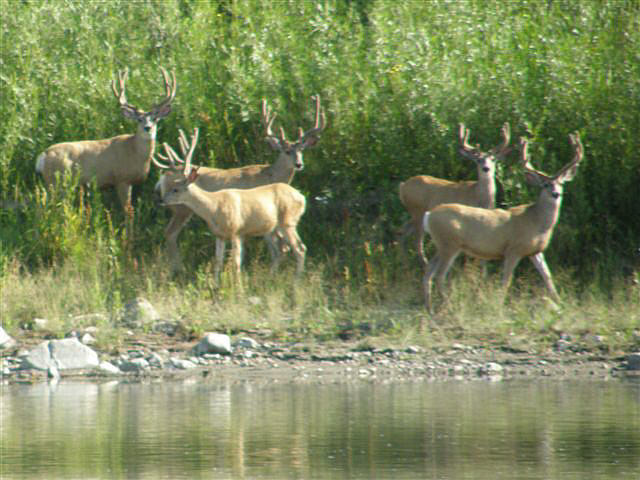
[[159, 357], [155, 349]]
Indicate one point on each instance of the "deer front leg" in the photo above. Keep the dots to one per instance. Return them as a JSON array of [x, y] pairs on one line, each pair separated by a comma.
[[179, 219], [220, 246], [541, 265], [508, 266], [124, 195]]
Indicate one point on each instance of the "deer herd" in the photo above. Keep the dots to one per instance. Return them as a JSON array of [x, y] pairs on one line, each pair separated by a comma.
[[257, 200]]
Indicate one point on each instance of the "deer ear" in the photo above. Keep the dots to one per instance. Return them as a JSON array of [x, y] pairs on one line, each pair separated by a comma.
[[129, 112], [533, 179], [193, 176]]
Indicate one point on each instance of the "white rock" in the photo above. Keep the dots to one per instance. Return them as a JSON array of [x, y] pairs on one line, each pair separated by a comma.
[[139, 312], [5, 340], [108, 367], [213, 343], [87, 339], [65, 354]]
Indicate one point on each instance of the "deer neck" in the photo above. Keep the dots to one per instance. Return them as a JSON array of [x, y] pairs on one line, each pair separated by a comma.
[[282, 170], [200, 201], [144, 145], [545, 212], [486, 191]]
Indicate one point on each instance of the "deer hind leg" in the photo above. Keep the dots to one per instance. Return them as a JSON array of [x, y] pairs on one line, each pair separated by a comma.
[[299, 249], [275, 250], [541, 265], [236, 252], [178, 220], [419, 231], [427, 281]]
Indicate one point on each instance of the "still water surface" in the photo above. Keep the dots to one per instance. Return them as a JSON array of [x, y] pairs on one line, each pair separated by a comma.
[[265, 430]]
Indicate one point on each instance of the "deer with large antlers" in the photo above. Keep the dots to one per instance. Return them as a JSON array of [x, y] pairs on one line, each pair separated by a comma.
[[232, 213], [289, 161], [119, 162], [510, 235], [422, 193]]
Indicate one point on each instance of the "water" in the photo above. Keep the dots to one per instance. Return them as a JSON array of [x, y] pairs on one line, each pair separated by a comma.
[[273, 430]]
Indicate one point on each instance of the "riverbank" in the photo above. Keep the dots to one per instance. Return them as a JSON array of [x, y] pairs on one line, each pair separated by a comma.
[[253, 356]]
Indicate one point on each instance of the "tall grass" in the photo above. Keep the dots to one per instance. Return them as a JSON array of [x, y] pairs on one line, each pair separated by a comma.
[[395, 78]]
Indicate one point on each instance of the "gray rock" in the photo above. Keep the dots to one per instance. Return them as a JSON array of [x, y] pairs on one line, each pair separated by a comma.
[[139, 312], [5, 340], [134, 365], [214, 343], [246, 342], [155, 360], [633, 361], [491, 369], [181, 364], [65, 354]]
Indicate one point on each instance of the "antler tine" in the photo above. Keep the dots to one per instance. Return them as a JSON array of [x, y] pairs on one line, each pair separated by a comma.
[[574, 139], [464, 137], [267, 117], [282, 134], [192, 147], [320, 122], [184, 144], [170, 86], [163, 158], [506, 136], [171, 154], [120, 95], [526, 161]]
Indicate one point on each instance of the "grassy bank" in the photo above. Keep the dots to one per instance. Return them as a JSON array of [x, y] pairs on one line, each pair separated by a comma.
[[395, 79]]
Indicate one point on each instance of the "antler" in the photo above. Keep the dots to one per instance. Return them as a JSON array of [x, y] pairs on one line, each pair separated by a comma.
[[503, 149], [464, 138], [170, 86], [120, 95], [526, 161], [310, 136], [187, 150], [575, 141]]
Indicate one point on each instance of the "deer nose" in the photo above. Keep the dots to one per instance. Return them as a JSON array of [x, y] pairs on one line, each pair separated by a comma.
[[555, 194], [485, 169]]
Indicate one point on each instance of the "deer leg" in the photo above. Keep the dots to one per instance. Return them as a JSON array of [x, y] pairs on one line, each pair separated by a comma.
[[299, 249], [427, 281], [541, 265], [178, 220], [508, 266], [220, 246], [274, 250], [124, 195], [236, 249], [419, 230]]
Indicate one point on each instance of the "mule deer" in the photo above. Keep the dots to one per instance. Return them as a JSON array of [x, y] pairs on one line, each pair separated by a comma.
[[119, 162], [510, 235], [288, 162], [231, 214], [423, 192]]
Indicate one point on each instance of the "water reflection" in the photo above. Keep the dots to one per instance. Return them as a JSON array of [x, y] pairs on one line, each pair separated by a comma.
[[196, 429]]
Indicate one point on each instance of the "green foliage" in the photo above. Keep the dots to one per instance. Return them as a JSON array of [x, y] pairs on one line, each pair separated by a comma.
[[395, 79]]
